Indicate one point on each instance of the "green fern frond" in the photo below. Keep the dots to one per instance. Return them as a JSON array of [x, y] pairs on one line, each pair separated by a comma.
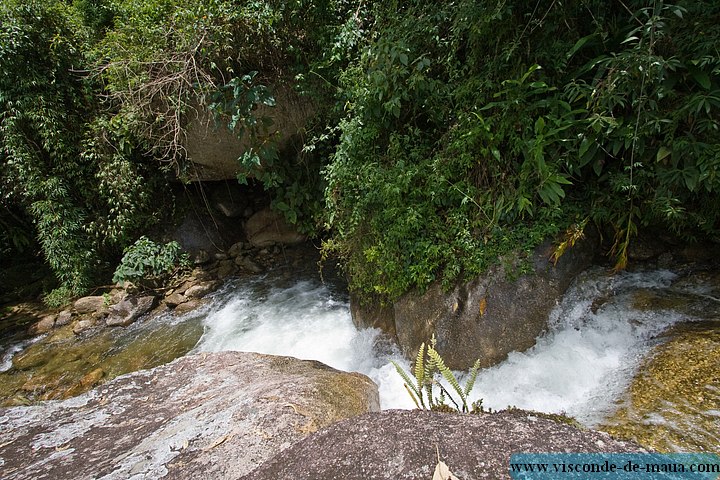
[[473, 376], [446, 372], [410, 385], [420, 367], [412, 395]]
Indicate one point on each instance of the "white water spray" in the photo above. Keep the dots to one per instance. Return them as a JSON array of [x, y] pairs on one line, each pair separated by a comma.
[[580, 366]]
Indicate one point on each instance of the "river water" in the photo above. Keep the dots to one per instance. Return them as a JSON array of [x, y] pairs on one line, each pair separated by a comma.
[[599, 335], [580, 367]]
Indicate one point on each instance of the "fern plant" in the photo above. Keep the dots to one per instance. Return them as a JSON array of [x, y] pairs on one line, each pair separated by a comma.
[[429, 367]]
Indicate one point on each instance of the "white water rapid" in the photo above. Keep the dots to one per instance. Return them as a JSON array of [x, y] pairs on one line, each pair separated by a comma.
[[580, 366]]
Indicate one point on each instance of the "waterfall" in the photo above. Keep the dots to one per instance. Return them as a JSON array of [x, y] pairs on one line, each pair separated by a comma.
[[597, 337]]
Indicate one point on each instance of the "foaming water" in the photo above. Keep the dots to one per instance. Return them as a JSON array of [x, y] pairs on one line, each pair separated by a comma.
[[596, 340], [306, 320], [583, 364]]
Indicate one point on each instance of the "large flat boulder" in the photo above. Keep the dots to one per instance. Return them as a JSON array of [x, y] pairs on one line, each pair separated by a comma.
[[203, 416], [128, 310], [214, 150], [401, 444]]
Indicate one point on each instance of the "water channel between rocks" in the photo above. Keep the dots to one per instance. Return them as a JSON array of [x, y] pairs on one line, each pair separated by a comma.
[[600, 335]]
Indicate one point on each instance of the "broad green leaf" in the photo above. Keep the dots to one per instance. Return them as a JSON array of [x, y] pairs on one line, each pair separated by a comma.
[[662, 153], [701, 78]]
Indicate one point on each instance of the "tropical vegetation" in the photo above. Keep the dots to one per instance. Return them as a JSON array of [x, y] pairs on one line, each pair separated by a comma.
[[445, 134]]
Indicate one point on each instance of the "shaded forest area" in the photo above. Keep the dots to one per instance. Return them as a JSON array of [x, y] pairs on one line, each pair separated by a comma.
[[445, 134]]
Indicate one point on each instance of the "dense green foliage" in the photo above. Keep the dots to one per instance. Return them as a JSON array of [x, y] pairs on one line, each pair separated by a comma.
[[92, 117], [447, 133], [477, 127], [85, 197]]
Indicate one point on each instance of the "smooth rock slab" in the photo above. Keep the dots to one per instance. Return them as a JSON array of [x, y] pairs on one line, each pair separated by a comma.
[[213, 416], [403, 444]]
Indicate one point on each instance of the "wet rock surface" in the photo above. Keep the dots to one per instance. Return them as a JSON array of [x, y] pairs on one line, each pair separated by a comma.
[[399, 444], [129, 310], [202, 416]]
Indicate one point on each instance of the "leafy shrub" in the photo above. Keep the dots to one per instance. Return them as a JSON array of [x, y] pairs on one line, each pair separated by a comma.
[[146, 263], [477, 127]]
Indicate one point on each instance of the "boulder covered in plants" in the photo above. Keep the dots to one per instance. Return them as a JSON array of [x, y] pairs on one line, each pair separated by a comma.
[[486, 317]]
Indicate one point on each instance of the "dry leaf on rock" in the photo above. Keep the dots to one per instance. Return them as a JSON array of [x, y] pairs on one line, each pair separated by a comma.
[[442, 472]]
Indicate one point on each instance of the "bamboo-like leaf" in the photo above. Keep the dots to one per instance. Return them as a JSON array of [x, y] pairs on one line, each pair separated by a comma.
[[412, 395], [420, 367]]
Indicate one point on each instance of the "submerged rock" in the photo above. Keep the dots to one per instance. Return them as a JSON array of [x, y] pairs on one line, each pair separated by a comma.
[[202, 416], [44, 325], [405, 444], [673, 403]]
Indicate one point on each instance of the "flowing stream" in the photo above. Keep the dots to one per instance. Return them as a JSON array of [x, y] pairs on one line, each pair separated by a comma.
[[599, 334], [595, 362]]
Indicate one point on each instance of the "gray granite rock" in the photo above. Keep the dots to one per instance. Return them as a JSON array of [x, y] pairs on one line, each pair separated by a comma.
[[484, 318], [402, 444], [204, 416]]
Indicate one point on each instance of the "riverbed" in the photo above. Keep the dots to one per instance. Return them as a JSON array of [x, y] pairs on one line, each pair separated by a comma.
[[600, 337]]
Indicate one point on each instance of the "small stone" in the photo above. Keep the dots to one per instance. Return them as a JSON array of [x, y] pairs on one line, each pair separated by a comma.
[[189, 306], [201, 257], [117, 295], [236, 249], [43, 326], [63, 318], [175, 299], [188, 283], [226, 268], [251, 266], [91, 378], [88, 381], [198, 291]]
